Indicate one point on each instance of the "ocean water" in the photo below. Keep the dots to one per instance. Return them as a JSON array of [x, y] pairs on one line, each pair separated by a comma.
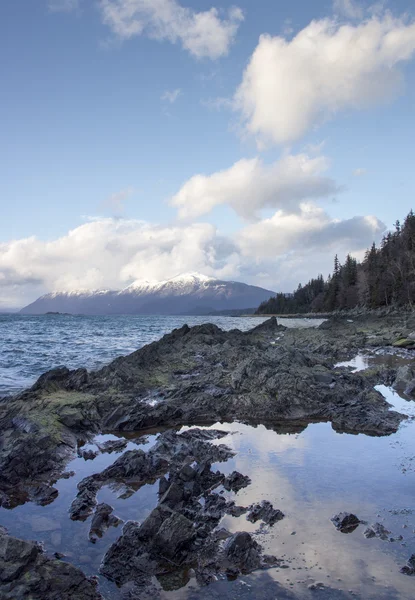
[[31, 345]]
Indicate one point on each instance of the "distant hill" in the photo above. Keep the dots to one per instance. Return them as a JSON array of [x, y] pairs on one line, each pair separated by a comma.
[[190, 293]]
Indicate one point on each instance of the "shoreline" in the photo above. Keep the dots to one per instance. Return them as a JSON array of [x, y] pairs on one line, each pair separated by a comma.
[[279, 377]]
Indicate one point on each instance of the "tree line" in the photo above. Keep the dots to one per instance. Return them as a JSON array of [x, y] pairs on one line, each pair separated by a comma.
[[386, 277]]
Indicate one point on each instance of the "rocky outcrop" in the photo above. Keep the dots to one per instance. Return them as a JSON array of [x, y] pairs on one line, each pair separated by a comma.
[[192, 376], [181, 531], [26, 572], [345, 522]]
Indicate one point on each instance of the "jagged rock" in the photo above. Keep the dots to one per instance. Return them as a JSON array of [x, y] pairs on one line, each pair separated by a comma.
[[43, 494], [376, 530], [89, 454], [101, 521], [264, 512], [409, 568], [26, 572], [345, 522], [112, 446], [174, 533], [236, 481], [86, 500], [242, 553], [253, 382]]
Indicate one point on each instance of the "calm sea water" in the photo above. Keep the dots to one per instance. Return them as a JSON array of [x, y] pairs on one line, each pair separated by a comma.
[[31, 345]]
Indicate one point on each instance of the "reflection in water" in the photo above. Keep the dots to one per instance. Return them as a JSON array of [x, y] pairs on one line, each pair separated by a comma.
[[310, 474]]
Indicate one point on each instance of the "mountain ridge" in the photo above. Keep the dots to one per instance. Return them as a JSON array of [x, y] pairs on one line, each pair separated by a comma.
[[187, 292]]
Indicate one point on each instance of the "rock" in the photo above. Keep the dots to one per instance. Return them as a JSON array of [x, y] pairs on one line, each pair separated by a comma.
[[43, 494], [264, 512], [316, 586], [241, 553], [26, 572], [409, 568], [236, 481], [113, 446], [376, 530], [86, 500], [89, 454], [408, 344], [345, 522], [174, 534], [40, 428], [101, 521]]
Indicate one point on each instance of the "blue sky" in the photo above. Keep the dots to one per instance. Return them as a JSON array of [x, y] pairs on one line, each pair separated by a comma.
[[113, 109]]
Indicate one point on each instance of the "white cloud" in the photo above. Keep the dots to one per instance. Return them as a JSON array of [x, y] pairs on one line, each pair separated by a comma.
[[311, 229], [203, 34], [64, 5], [109, 253], [349, 9], [250, 185], [359, 172], [290, 86], [171, 95]]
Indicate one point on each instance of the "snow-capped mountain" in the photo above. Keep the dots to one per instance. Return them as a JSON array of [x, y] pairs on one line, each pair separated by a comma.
[[190, 293]]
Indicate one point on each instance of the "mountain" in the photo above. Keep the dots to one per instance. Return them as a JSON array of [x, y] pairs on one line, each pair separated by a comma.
[[190, 293]]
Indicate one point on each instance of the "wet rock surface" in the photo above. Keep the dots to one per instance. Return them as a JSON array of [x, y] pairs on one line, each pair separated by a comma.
[[182, 531], [376, 530], [264, 512], [345, 522], [26, 572], [245, 376], [190, 377], [409, 568]]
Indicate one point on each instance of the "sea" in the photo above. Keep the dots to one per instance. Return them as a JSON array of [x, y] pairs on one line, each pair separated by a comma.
[[310, 474], [32, 345]]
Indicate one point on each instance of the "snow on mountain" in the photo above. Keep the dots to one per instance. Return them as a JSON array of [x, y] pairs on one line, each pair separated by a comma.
[[187, 293]]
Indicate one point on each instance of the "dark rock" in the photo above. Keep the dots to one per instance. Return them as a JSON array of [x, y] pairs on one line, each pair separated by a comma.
[[345, 522], [89, 454], [236, 481], [175, 533], [26, 572], [43, 494], [86, 500], [113, 446], [101, 521], [409, 568], [242, 553], [376, 530], [264, 512]]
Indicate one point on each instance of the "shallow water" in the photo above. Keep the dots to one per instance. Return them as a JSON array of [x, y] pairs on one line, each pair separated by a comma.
[[310, 476], [31, 345]]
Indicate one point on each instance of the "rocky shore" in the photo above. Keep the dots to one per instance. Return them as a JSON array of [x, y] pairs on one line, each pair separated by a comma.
[[281, 378]]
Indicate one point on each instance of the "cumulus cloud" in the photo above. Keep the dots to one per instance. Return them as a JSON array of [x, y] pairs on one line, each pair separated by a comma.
[[109, 253], [250, 185], [349, 9], [289, 86], [202, 34], [171, 95], [311, 229]]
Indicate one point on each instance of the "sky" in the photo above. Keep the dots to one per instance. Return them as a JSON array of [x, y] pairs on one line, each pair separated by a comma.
[[250, 141]]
